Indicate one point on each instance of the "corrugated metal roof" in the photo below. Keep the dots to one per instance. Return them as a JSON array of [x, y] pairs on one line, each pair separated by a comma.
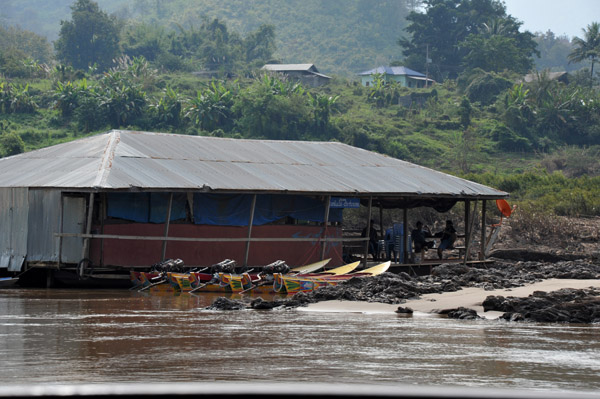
[[290, 67], [310, 68], [396, 70], [122, 160]]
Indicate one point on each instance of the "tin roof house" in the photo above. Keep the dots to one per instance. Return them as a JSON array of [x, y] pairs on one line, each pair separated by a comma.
[[402, 75], [126, 199], [307, 74]]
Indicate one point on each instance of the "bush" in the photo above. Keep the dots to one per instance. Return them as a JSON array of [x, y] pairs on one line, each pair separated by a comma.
[[11, 144]]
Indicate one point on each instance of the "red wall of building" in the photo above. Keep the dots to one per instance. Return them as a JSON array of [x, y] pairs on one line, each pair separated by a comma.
[[146, 252]]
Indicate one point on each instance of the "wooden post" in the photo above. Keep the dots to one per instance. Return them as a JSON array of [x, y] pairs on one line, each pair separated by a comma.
[[61, 228], [470, 236], [405, 236], [103, 205], [467, 224], [368, 231], [85, 251], [325, 223], [250, 222], [483, 230], [382, 230], [167, 224]]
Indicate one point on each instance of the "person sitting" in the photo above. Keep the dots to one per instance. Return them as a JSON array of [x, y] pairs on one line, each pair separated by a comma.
[[418, 236], [447, 238]]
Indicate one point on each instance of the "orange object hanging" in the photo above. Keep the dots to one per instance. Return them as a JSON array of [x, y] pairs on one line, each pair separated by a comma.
[[504, 207]]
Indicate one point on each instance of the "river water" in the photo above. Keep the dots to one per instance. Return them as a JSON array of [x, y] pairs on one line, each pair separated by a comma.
[[112, 336]]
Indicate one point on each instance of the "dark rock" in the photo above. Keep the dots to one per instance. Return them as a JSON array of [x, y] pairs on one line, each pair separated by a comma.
[[404, 310], [562, 306], [223, 303], [463, 314], [260, 303]]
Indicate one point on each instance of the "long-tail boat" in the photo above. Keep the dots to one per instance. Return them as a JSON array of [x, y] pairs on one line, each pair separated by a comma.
[[262, 283], [293, 284]]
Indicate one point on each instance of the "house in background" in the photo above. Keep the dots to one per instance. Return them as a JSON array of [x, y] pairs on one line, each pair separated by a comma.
[[406, 77], [307, 74]]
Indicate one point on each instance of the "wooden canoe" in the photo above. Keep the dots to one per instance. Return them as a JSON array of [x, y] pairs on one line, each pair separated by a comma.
[[313, 267], [294, 284]]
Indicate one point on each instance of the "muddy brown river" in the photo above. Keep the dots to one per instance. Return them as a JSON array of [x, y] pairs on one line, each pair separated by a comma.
[[113, 336]]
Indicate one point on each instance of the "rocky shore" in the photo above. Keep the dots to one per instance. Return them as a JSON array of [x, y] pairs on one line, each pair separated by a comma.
[[569, 305], [529, 251]]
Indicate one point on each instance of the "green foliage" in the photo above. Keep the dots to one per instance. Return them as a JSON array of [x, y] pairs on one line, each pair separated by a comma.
[[549, 193], [587, 48], [212, 107], [273, 108], [499, 46], [554, 51], [460, 34], [15, 98], [167, 109], [11, 144], [91, 37]]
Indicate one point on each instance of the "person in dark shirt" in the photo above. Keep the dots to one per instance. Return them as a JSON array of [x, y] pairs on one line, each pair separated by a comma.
[[448, 236], [419, 236]]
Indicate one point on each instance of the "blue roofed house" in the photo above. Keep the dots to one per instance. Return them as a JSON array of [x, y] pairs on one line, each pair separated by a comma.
[[402, 75]]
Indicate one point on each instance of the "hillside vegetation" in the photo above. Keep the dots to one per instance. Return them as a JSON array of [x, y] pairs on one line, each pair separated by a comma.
[[538, 140]]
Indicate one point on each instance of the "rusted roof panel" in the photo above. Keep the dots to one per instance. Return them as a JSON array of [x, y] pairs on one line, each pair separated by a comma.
[[122, 160]]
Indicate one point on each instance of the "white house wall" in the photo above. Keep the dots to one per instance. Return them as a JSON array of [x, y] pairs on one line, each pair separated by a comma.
[[14, 211]]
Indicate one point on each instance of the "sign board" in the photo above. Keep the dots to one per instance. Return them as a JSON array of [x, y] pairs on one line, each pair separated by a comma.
[[339, 202]]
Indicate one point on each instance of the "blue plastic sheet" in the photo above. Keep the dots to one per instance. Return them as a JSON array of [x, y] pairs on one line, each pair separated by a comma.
[[218, 209]]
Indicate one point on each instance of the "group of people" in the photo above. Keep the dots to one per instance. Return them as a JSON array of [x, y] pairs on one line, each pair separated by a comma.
[[419, 237]]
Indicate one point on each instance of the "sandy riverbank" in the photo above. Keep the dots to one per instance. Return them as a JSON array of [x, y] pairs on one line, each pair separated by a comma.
[[468, 297]]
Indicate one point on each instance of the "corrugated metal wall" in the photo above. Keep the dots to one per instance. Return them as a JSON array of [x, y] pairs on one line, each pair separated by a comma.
[[44, 221], [14, 213]]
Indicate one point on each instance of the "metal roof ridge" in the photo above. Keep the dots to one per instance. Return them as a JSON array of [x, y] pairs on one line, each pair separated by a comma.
[[114, 137]]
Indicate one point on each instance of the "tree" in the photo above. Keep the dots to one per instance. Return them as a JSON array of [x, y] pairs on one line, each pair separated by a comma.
[[588, 47], [91, 37], [500, 46], [459, 34], [440, 31]]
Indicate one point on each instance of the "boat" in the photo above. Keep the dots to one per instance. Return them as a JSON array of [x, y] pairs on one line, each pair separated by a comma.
[[263, 284], [231, 282], [310, 268], [293, 284], [8, 282]]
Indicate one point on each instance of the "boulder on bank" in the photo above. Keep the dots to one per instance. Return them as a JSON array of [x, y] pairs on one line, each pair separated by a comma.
[[463, 314], [223, 303], [565, 305]]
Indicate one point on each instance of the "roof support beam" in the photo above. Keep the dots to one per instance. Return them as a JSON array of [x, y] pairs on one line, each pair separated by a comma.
[[483, 230], [250, 223], [325, 224], [85, 251], [367, 238], [167, 224], [405, 236]]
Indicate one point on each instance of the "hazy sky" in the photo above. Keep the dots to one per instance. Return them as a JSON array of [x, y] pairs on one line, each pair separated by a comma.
[[563, 17]]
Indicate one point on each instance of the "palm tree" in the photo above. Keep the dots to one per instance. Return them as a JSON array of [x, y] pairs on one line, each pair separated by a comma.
[[587, 48]]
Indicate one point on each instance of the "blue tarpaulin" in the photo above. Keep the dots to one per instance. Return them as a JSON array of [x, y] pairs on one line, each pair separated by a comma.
[[146, 207], [218, 209], [234, 210]]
